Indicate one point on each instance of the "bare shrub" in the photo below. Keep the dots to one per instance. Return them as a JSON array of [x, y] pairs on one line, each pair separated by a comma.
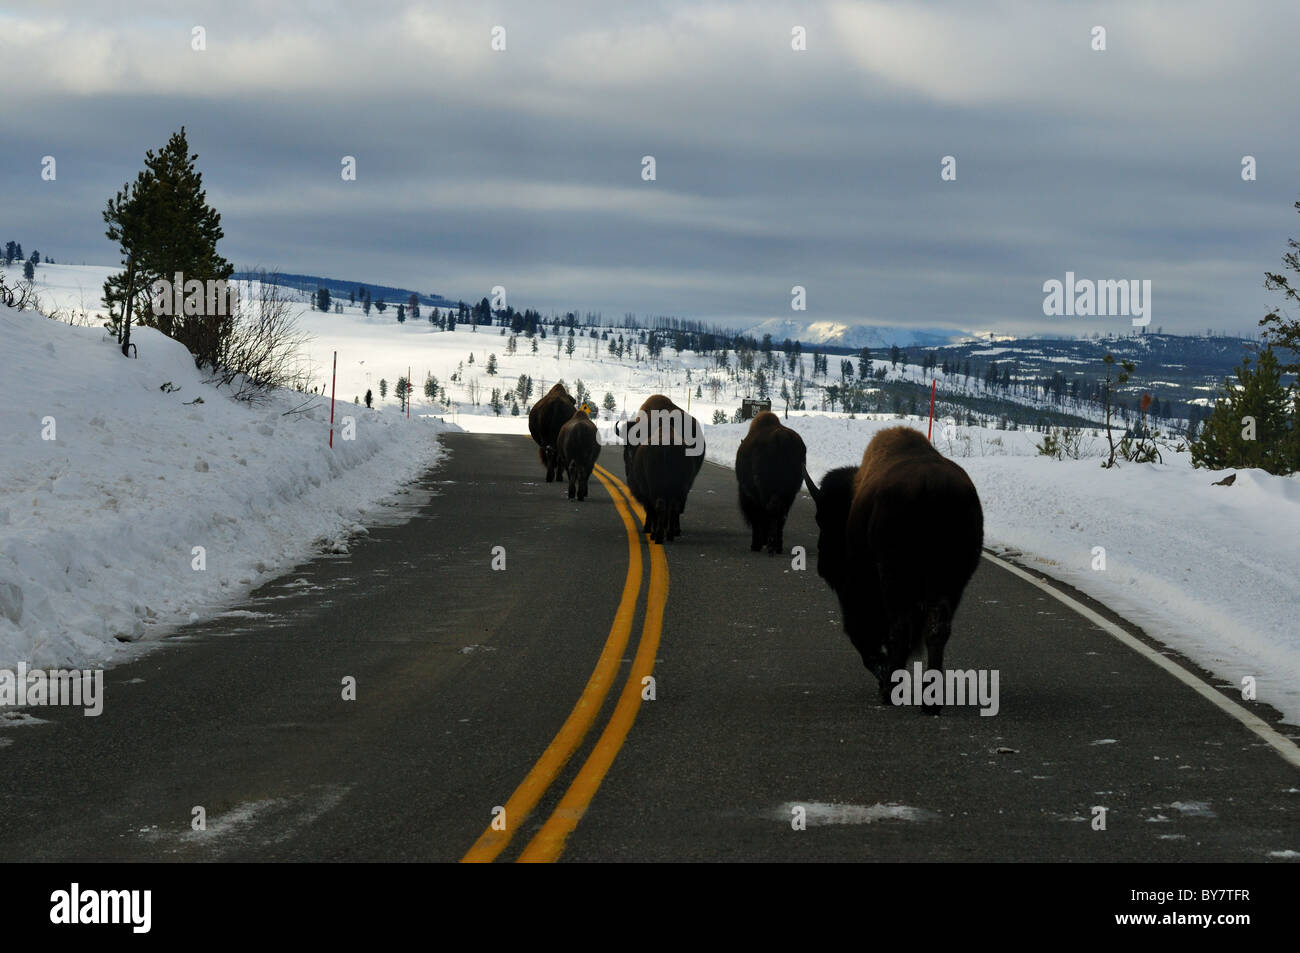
[[20, 296], [263, 350]]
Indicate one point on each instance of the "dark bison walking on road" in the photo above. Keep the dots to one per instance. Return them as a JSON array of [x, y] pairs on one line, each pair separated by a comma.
[[544, 422], [769, 471], [663, 452], [578, 446], [900, 537]]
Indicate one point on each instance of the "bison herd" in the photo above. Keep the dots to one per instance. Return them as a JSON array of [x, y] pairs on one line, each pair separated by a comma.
[[899, 535]]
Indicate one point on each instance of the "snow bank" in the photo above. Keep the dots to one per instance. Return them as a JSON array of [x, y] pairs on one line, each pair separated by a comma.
[[1208, 570], [108, 483]]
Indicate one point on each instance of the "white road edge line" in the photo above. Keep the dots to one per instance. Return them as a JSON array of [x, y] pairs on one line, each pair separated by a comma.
[[1283, 745]]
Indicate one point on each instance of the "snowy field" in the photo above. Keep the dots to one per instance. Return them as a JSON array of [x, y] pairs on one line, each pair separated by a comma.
[[1209, 570]]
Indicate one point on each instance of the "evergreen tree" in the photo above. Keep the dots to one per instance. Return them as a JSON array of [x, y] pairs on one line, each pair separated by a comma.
[[401, 314], [370, 399], [29, 270], [323, 299], [1249, 425], [381, 305], [163, 225], [1283, 332], [383, 388]]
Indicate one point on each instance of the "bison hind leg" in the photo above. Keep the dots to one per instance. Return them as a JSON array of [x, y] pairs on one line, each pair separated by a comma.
[[656, 521], [936, 629]]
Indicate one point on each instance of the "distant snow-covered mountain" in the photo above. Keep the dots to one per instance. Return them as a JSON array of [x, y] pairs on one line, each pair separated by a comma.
[[835, 334]]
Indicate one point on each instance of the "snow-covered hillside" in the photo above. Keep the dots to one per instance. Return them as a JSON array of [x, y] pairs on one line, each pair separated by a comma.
[[109, 482]]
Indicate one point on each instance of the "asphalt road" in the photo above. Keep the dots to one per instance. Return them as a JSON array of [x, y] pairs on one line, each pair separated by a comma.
[[465, 675]]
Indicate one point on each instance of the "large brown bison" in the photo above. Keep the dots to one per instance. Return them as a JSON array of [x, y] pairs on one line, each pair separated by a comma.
[[544, 422], [578, 446], [663, 451], [900, 537], [769, 471]]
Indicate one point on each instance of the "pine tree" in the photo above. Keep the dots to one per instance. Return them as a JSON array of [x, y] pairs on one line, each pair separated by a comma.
[[29, 270], [383, 388], [1249, 426], [401, 314], [163, 225], [1281, 332], [370, 399], [492, 364]]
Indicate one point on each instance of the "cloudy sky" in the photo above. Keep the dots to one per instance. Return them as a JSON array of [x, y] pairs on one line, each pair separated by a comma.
[[774, 167]]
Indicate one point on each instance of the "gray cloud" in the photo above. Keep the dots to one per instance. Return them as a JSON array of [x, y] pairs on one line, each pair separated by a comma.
[[775, 168]]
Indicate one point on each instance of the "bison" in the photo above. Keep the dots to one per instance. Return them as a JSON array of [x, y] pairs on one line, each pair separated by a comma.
[[662, 453], [900, 536], [769, 471], [578, 446], [544, 422]]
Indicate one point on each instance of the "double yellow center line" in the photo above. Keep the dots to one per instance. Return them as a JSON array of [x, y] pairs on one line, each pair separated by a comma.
[[548, 843]]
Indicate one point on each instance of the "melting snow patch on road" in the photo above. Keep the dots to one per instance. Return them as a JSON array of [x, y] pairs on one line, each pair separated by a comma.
[[1285, 854], [1193, 808], [821, 812]]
